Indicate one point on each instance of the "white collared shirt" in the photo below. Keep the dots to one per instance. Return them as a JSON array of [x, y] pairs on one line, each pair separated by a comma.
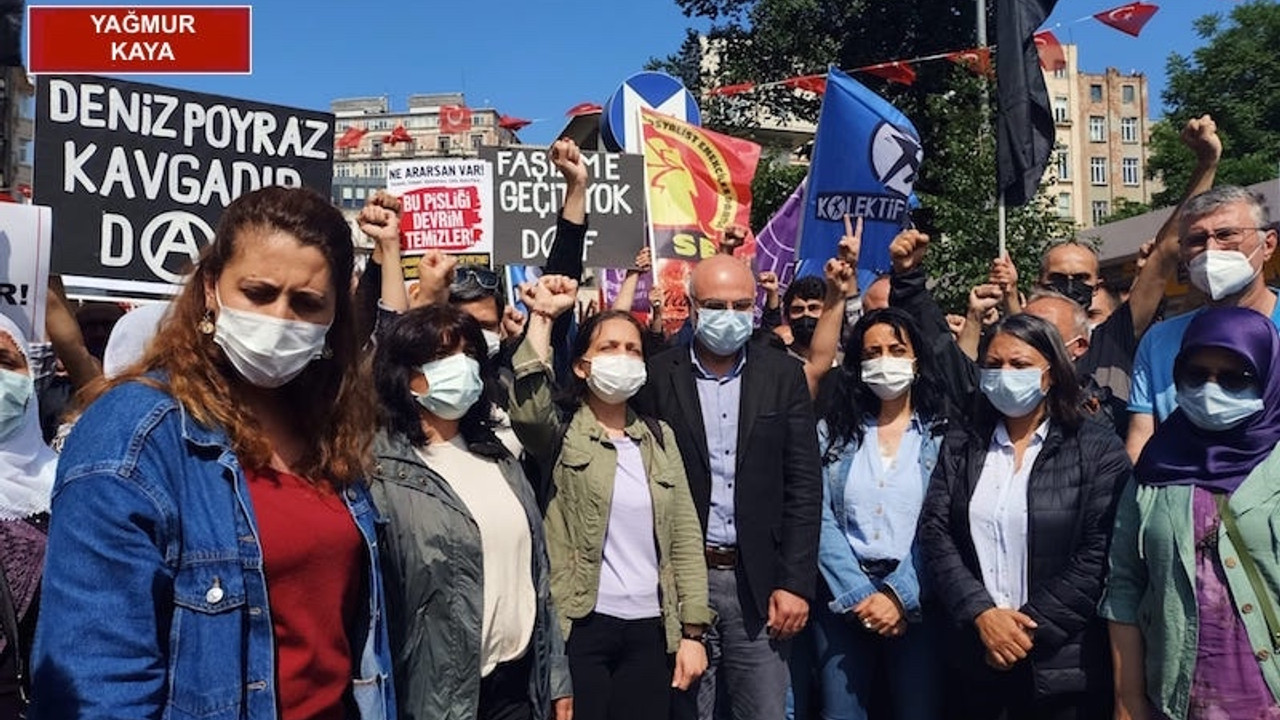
[[998, 517]]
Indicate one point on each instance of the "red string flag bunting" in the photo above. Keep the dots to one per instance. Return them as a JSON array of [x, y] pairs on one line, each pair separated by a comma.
[[737, 89], [398, 135], [584, 108], [514, 124], [1128, 19], [896, 71], [1052, 56], [809, 83], [978, 60], [455, 119], [351, 138]]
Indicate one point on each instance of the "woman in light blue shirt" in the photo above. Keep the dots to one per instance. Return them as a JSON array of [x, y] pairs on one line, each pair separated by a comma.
[[880, 437]]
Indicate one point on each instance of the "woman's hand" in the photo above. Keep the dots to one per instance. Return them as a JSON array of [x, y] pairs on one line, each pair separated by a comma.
[[881, 614], [1006, 634], [691, 662]]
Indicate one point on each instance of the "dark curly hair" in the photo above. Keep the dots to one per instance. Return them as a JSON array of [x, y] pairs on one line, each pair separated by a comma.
[[852, 400], [415, 339]]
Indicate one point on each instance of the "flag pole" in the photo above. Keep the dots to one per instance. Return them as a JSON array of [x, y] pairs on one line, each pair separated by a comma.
[[1001, 223]]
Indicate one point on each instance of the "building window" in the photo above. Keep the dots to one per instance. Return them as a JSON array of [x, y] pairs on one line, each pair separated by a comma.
[[1097, 128], [346, 192], [376, 149], [476, 141], [1095, 93], [1127, 94], [360, 193], [442, 143], [1101, 209], [1129, 129], [1098, 170], [1061, 110], [1064, 205], [1064, 164], [1060, 72], [1129, 169]]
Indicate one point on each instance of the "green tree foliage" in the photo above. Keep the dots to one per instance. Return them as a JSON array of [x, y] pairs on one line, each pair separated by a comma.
[[1235, 77], [764, 40], [773, 184]]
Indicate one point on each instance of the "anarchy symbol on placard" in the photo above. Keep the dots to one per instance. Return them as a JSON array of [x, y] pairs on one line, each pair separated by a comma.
[[179, 236]]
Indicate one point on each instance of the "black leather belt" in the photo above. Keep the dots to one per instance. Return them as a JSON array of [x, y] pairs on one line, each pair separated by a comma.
[[722, 558]]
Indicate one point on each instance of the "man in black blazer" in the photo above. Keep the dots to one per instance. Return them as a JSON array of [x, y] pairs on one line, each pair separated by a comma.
[[744, 423]]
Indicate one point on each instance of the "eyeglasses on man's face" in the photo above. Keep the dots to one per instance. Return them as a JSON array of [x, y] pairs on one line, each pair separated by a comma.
[[1227, 238]]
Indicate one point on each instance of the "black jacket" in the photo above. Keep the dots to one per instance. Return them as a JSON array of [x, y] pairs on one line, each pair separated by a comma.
[[778, 486], [1073, 489]]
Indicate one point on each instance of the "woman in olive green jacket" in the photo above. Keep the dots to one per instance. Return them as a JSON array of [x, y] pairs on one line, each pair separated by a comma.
[[628, 573], [1194, 563]]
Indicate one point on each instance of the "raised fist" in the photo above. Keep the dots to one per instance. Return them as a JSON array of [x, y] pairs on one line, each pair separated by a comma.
[[567, 158], [1201, 135], [380, 220], [551, 295], [907, 250]]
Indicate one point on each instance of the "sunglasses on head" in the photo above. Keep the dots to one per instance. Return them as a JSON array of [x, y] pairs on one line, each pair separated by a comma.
[[475, 275], [1229, 380]]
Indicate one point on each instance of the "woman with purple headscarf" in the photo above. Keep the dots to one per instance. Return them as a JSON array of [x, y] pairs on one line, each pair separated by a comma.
[[1195, 558]]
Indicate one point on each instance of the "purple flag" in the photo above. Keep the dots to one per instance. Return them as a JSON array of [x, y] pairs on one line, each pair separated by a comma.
[[776, 243]]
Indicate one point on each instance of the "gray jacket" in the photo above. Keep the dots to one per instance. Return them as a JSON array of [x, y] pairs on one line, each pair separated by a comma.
[[434, 587]]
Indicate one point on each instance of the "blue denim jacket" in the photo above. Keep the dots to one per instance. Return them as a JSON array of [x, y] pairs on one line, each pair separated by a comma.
[[849, 584], [154, 600]]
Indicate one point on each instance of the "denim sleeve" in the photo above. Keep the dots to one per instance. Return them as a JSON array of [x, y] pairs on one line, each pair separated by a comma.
[[849, 584], [102, 635], [905, 584]]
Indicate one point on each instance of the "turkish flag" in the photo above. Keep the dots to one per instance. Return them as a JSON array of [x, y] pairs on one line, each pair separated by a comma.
[[25, 190], [514, 124], [895, 71], [1128, 18], [351, 138], [398, 135], [816, 84], [584, 108], [1052, 56], [733, 89], [977, 60], [455, 119]]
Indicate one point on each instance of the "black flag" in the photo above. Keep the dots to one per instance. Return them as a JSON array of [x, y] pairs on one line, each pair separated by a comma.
[[11, 12], [1024, 121]]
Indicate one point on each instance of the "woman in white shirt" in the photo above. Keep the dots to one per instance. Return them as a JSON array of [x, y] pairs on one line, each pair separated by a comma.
[[1014, 534]]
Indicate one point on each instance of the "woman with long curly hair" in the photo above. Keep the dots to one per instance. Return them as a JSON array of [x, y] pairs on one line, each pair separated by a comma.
[[212, 551]]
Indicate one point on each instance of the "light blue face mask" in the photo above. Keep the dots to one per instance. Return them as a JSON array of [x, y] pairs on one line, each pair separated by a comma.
[[1014, 393], [16, 390], [724, 332], [453, 386], [1210, 407]]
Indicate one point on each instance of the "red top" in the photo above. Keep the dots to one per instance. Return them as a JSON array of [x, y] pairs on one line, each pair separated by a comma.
[[313, 557]]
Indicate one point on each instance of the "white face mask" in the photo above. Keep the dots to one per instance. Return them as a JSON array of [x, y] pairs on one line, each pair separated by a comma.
[[1210, 407], [493, 342], [616, 378], [1222, 273], [16, 390], [267, 351], [453, 386], [888, 377]]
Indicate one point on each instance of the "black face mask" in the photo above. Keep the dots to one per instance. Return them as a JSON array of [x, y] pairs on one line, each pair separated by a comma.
[[802, 329], [1077, 290]]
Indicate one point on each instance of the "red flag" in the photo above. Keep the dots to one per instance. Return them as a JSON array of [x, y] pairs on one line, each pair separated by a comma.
[[351, 138], [514, 124], [895, 71], [1128, 18], [455, 119], [733, 89], [816, 84], [584, 108], [398, 135], [1052, 56], [977, 60]]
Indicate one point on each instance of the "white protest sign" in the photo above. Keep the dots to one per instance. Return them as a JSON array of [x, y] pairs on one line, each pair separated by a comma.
[[446, 205], [26, 234]]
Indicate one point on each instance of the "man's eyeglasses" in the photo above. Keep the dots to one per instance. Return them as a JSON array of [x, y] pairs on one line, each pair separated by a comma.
[[475, 275], [1229, 380], [1228, 238], [739, 305]]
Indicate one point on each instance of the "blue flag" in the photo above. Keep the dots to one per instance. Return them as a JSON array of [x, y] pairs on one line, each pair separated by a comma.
[[865, 159]]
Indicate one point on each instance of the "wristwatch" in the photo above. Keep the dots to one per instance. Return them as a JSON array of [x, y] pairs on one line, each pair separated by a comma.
[[699, 635]]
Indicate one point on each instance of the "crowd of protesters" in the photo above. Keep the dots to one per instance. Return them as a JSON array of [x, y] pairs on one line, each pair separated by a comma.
[[304, 492]]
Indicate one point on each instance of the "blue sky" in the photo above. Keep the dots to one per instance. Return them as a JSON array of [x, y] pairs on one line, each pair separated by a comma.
[[537, 59]]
